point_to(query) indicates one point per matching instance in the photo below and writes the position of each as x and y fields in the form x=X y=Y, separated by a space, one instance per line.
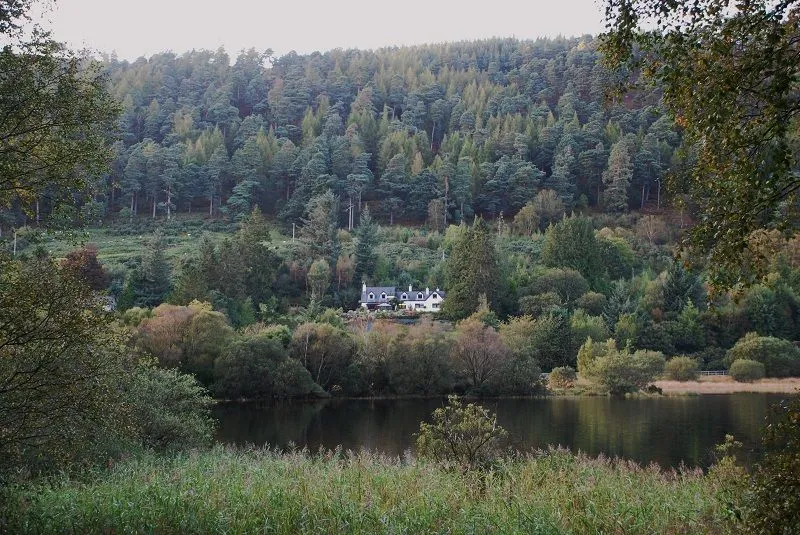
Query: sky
x=134 y=28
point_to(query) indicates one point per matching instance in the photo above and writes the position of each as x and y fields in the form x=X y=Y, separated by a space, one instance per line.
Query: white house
x=389 y=298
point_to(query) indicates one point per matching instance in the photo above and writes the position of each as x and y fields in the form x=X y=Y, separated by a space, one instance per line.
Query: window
x=383 y=295
x=404 y=297
x=436 y=305
x=418 y=305
x=435 y=296
x=420 y=296
x=371 y=296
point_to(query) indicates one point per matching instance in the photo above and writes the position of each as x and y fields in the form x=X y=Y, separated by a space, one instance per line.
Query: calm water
x=669 y=431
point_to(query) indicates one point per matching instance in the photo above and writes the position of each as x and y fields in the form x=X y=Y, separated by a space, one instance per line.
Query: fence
x=714 y=372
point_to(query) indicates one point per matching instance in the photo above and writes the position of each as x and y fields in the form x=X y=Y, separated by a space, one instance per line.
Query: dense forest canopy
x=480 y=127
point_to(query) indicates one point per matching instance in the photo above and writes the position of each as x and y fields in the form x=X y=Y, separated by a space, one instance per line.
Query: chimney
x=363 y=287
x=427 y=290
x=409 y=288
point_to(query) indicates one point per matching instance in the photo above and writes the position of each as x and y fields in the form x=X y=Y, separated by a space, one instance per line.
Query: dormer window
x=420 y=296
x=371 y=296
x=404 y=297
x=383 y=295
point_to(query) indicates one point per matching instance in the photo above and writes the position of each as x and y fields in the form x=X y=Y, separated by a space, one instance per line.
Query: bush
x=257 y=368
x=774 y=503
x=619 y=372
x=171 y=410
x=562 y=377
x=746 y=370
x=514 y=377
x=681 y=369
x=592 y=302
x=465 y=435
x=779 y=357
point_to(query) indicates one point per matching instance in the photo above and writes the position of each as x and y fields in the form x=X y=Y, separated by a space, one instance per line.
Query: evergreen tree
x=320 y=227
x=571 y=243
x=366 y=242
x=150 y=283
x=472 y=271
x=617 y=177
x=562 y=179
x=393 y=185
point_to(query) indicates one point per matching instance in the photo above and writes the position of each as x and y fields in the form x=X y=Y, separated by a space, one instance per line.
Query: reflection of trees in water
x=259 y=424
x=664 y=430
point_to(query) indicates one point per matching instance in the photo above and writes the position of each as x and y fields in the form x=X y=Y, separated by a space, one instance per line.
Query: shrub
x=592 y=302
x=537 y=305
x=418 y=361
x=562 y=377
x=746 y=370
x=681 y=369
x=465 y=435
x=257 y=368
x=779 y=357
x=514 y=377
x=775 y=501
x=171 y=410
x=619 y=372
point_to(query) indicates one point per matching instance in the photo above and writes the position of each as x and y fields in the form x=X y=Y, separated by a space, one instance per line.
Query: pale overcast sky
x=135 y=28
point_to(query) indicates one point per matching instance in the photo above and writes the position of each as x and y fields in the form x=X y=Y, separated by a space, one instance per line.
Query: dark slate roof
x=393 y=292
x=412 y=295
x=377 y=291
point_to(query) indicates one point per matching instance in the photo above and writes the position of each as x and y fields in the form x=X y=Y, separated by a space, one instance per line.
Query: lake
x=666 y=430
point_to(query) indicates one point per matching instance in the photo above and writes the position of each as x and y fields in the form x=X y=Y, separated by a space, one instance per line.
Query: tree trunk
x=154 y=206
x=658 y=197
x=642 y=204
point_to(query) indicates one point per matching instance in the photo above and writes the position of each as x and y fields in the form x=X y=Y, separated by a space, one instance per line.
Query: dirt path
x=726 y=385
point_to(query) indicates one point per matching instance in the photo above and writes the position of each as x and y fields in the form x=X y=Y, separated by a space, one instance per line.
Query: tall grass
x=261 y=491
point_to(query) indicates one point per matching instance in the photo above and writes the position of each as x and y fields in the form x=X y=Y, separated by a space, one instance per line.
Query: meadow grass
x=260 y=491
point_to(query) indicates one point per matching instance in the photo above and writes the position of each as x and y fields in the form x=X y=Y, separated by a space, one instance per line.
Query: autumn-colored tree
x=84 y=263
x=479 y=351
x=324 y=350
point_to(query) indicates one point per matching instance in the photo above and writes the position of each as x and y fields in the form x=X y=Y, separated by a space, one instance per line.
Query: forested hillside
x=427 y=133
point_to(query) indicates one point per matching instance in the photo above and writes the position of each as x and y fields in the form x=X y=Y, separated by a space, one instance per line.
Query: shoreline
x=726 y=385
x=718 y=385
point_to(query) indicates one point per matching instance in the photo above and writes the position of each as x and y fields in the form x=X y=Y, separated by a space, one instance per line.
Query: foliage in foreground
x=71 y=391
x=465 y=435
x=774 y=506
x=332 y=492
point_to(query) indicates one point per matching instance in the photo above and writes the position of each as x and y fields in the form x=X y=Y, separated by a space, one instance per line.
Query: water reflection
x=669 y=431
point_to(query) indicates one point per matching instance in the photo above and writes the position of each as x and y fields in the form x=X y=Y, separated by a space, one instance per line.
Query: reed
x=262 y=491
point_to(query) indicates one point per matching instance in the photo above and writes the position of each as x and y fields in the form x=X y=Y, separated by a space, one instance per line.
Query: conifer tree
x=617 y=177
x=472 y=270
x=366 y=242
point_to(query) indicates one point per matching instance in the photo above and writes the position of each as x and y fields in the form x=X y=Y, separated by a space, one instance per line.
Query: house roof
x=392 y=292
x=377 y=291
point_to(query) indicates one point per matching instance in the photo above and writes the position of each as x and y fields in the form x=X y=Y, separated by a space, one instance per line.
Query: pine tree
x=150 y=284
x=366 y=242
x=562 y=179
x=617 y=177
x=472 y=270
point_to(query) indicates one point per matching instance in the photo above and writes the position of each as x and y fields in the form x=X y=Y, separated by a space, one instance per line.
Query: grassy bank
x=224 y=491
x=726 y=385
